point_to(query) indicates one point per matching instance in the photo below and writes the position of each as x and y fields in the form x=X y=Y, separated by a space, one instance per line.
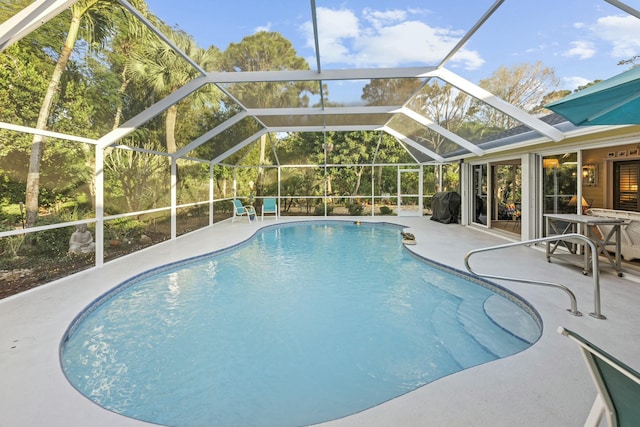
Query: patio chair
x=269 y=206
x=618 y=386
x=243 y=210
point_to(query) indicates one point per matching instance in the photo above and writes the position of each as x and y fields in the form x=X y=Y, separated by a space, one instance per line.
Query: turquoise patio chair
x=618 y=386
x=243 y=210
x=269 y=206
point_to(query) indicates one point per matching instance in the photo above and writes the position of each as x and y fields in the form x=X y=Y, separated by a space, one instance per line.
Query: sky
x=582 y=40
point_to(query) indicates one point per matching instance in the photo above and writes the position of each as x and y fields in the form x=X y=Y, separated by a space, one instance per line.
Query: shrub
x=10 y=215
x=386 y=210
x=319 y=210
x=54 y=242
x=355 y=209
x=12 y=245
x=124 y=228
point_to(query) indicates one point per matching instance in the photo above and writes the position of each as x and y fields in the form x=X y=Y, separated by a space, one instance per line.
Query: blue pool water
x=304 y=323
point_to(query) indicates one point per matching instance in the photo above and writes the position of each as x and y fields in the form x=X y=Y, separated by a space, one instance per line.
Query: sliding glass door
x=559 y=184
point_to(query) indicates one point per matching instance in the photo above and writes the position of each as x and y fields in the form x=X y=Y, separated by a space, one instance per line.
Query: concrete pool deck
x=545 y=385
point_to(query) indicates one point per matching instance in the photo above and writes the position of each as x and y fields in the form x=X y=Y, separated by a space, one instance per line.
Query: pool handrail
x=570 y=237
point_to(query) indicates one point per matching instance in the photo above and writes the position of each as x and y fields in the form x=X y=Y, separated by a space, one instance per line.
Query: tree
x=142 y=178
x=549 y=98
x=24 y=71
x=389 y=151
x=350 y=148
x=633 y=61
x=443 y=104
x=93 y=19
x=523 y=86
x=127 y=44
x=267 y=51
x=164 y=71
x=21 y=85
x=390 y=91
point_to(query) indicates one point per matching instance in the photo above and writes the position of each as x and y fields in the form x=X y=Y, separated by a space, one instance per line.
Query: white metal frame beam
x=624 y=7
x=442 y=131
x=29 y=19
x=499 y=104
x=312 y=75
x=471 y=32
x=414 y=144
x=148 y=114
x=210 y=134
x=239 y=146
x=313 y=111
x=47 y=133
x=324 y=128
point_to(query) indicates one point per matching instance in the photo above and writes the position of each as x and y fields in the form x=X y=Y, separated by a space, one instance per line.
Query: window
x=625 y=192
x=560 y=182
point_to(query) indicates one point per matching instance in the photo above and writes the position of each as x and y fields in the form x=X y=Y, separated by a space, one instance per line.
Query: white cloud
x=336 y=27
x=573 y=82
x=385 y=39
x=379 y=18
x=266 y=28
x=581 y=49
x=470 y=59
x=621 y=32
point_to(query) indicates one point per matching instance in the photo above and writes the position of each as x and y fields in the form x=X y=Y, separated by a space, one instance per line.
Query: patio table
x=559 y=224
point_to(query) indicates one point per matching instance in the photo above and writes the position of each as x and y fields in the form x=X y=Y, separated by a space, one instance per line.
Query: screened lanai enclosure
x=114 y=117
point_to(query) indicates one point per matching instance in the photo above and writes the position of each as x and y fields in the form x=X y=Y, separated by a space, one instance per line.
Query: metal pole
x=595 y=265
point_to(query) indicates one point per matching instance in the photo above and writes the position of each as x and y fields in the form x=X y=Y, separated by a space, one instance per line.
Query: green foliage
x=267 y=51
x=23 y=80
x=193 y=182
x=157 y=67
x=124 y=229
x=430 y=179
x=386 y=210
x=355 y=208
x=54 y=242
x=319 y=210
x=10 y=215
x=390 y=91
x=135 y=181
x=300 y=148
x=450 y=177
x=11 y=191
x=12 y=245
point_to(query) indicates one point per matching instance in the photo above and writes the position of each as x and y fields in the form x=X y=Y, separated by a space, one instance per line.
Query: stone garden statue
x=81 y=241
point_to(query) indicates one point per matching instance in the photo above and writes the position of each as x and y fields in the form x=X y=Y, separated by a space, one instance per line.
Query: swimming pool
x=301 y=324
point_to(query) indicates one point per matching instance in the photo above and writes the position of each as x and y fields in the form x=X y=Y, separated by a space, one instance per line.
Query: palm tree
x=126 y=44
x=94 y=17
x=163 y=70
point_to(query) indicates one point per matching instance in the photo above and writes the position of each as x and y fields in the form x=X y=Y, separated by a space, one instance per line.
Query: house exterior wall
x=597 y=146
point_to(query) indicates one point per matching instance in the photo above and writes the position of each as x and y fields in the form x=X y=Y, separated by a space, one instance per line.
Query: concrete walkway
x=545 y=385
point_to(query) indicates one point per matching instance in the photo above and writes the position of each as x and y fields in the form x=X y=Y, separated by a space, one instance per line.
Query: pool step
x=456 y=340
x=509 y=316
x=485 y=320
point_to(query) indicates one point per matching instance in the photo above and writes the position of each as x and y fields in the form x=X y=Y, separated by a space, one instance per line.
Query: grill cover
x=445 y=207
